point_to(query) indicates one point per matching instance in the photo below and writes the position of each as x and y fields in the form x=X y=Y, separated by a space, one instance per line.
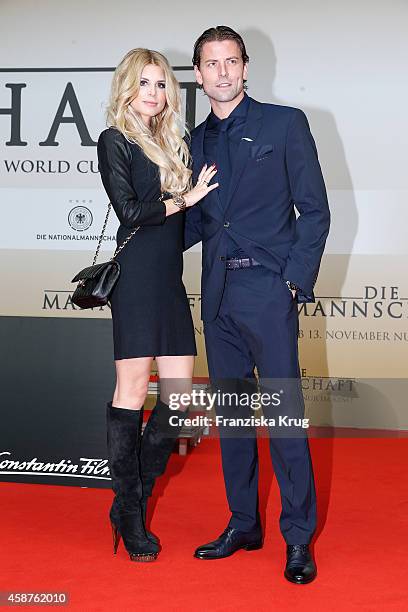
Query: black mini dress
x=150 y=310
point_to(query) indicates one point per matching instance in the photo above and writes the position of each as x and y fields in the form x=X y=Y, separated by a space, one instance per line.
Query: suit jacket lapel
x=251 y=130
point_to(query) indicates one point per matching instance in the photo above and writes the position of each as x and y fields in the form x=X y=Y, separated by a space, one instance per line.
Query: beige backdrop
x=342 y=64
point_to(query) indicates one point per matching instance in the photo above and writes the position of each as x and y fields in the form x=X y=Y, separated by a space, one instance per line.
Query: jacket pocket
x=260 y=152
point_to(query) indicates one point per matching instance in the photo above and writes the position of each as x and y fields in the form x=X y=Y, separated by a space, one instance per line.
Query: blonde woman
x=144 y=165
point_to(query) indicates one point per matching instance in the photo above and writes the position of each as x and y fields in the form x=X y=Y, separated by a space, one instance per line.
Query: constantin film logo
x=95 y=469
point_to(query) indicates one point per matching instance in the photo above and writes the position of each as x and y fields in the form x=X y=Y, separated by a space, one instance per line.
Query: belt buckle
x=237 y=263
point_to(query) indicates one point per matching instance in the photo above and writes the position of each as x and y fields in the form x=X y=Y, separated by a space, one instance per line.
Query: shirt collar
x=240 y=110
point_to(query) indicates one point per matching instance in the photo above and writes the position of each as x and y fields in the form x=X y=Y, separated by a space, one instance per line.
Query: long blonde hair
x=162 y=142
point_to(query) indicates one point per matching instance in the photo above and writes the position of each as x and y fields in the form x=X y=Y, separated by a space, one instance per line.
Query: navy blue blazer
x=276 y=168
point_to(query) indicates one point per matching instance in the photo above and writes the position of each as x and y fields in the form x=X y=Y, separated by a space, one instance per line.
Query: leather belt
x=237 y=264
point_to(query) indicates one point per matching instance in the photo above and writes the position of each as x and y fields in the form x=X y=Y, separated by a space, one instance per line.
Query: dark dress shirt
x=212 y=153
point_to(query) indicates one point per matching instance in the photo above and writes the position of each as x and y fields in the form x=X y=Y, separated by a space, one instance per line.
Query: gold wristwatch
x=179 y=201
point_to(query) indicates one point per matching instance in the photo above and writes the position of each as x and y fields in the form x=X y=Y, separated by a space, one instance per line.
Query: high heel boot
x=158 y=440
x=123 y=429
x=115 y=510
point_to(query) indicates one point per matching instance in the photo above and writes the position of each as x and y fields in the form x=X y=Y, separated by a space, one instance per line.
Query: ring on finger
x=205 y=183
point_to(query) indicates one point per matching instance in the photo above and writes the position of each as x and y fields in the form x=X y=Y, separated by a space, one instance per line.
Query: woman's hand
x=202 y=187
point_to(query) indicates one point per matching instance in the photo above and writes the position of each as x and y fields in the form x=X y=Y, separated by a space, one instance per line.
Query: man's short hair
x=215 y=34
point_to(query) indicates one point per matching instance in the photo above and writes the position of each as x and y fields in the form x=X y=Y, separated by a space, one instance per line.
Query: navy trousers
x=257 y=326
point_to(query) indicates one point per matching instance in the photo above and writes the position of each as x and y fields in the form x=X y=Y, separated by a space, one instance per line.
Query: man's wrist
x=292 y=286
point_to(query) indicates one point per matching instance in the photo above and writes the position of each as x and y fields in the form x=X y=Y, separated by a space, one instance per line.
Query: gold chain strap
x=118 y=250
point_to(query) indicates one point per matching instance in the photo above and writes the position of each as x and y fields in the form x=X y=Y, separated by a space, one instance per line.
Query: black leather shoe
x=300 y=567
x=229 y=542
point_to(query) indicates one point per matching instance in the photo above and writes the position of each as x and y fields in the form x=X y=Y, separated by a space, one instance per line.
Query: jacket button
x=226 y=224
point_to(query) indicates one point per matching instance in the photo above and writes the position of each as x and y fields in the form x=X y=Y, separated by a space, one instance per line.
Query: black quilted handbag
x=95 y=283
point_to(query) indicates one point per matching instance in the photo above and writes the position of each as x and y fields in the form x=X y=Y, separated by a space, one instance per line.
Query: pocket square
x=258 y=152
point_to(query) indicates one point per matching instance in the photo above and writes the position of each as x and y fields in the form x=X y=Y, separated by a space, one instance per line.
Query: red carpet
x=58 y=539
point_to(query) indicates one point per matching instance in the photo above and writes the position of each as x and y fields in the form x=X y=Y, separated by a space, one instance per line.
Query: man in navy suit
x=259 y=260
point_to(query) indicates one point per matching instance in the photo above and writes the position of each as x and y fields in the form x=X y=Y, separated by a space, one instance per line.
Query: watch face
x=180 y=201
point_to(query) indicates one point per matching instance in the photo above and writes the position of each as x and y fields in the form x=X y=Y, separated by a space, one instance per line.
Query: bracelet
x=179 y=201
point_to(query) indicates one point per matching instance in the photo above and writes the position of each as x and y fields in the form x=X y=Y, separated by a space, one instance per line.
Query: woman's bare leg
x=160 y=435
x=175 y=373
x=132 y=381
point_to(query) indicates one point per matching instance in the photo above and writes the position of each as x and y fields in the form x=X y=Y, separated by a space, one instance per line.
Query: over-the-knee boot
x=158 y=440
x=123 y=429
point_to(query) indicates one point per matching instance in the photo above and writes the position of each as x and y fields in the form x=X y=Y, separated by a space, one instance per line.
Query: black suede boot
x=115 y=510
x=123 y=429
x=158 y=441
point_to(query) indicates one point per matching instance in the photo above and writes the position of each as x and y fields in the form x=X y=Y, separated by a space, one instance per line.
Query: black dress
x=150 y=310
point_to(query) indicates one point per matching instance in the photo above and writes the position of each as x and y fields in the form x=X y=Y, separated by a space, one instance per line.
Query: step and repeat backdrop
x=343 y=65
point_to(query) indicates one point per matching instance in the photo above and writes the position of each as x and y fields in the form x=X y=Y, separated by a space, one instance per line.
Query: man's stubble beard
x=228 y=96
